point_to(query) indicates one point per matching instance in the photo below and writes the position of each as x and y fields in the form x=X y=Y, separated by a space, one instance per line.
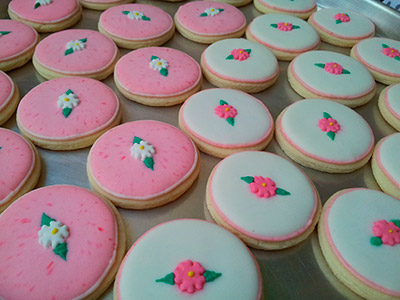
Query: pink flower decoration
x=240 y=54
x=329 y=125
x=285 y=26
x=387 y=231
x=263 y=187
x=391 y=52
x=342 y=17
x=333 y=68
x=189 y=276
x=226 y=111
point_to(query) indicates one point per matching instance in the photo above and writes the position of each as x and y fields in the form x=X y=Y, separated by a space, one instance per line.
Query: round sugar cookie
x=235 y=63
x=226 y=121
x=325 y=136
x=157 y=76
x=17 y=44
x=381 y=56
x=75 y=52
x=333 y=76
x=135 y=26
x=189 y=259
x=286 y=36
x=142 y=164
x=359 y=235
x=103 y=4
x=65 y=242
x=9 y=97
x=341 y=27
x=20 y=165
x=236 y=3
x=46 y=15
x=68 y=113
x=263 y=199
x=298 y=8
x=389 y=105
x=207 y=21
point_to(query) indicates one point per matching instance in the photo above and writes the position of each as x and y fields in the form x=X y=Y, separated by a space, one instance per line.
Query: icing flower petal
x=387 y=231
x=142 y=150
x=342 y=18
x=239 y=54
x=158 y=63
x=285 y=26
x=225 y=111
x=189 y=276
x=53 y=235
x=67 y=100
x=333 y=68
x=211 y=11
x=263 y=187
x=329 y=125
x=391 y=52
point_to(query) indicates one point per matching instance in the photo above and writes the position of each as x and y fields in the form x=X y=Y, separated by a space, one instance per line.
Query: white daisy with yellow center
x=75 y=45
x=211 y=11
x=143 y=151
x=41 y=3
x=158 y=63
x=67 y=101
x=53 y=235
x=135 y=15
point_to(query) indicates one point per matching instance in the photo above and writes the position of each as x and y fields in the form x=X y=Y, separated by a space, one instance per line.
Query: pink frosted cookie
x=46 y=15
x=142 y=164
x=235 y=63
x=103 y=4
x=135 y=26
x=298 y=8
x=190 y=259
x=75 y=52
x=207 y=21
x=359 y=235
x=68 y=113
x=325 y=136
x=20 y=167
x=17 y=44
x=157 y=76
x=225 y=121
x=59 y=242
x=381 y=56
x=9 y=97
x=389 y=105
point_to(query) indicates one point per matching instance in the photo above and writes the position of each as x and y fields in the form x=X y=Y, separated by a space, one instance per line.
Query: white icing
x=67 y=100
x=352 y=141
x=350 y=222
x=370 y=50
x=249 y=69
x=142 y=150
x=389 y=157
x=174 y=242
x=75 y=45
x=276 y=216
x=158 y=63
x=301 y=38
x=212 y=11
x=53 y=235
x=358 y=26
x=393 y=100
x=355 y=84
x=290 y=5
x=252 y=121
x=43 y=2
x=135 y=15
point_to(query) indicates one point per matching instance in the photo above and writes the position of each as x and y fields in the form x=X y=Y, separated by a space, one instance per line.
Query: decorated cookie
x=341 y=27
x=298 y=8
x=389 y=105
x=157 y=76
x=46 y=15
x=359 y=234
x=20 y=167
x=263 y=199
x=286 y=36
x=325 y=136
x=207 y=21
x=103 y=4
x=59 y=242
x=68 y=113
x=75 y=52
x=381 y=56
x=225 y=121
x=17 y=44
x=235 y=63
x=142 y=164
x=235 y=2
x=333 y=76
x=190 y=259
x=135 y=26
x=9 y=97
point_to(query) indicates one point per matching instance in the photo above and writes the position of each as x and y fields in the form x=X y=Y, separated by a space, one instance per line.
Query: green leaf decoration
x=137 y=140
x=295 y=27
x=37 y=4
x=66 y=111
x=4 y=32
x=338 y=21
x=331 y=135
x=144 y=18
x=248 y=50
x=274 y=25
x=220 y=9
x=345 y=71
x=326 y=115
x=229 y=56
x=231 y=121
x=154 y=57
x=168 y=279
x=282 y=192
x=149 y=162
x=68 y=51
x=83 y=40
x=203 y=15
x=125 y=12
x=164 y=72
x=248 y=179
x=69 y=92
x=385 y=46
x=211 y=275
x=46 y=220
x=375 y=241
x=320 y=65
x=61 y=250
x=222 y=102
x=397 y=58
x=395 y=222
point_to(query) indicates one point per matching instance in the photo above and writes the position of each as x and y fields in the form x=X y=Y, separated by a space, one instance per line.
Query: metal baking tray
x=299 y=272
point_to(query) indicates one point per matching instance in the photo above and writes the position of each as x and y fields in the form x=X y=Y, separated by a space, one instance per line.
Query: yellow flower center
x=392 y=51
x=390 y=230
x=240 y=51
x=190 y=273
x=141 y=147
x=212 y=9
x=159 y=63
x=226 y=109
x=137 y=14
x=285 y=24
x=77 y=44
x=66 y=99
x=331 y=123
x=334 y=66
x=264 y=184
x=54 y=231
x=342 y=15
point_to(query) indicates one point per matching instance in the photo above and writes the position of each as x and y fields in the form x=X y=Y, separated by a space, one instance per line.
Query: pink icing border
x=389 y=107
x=228 y=146
x=262 y=237
x=340 y=257
x=118 y=277
x=10 y=96
x=284 y=9
x=378 y=160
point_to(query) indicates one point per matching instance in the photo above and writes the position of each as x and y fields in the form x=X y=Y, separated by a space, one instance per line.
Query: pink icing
x=342 y=17
x=389 y=107
x=30 y=271
x=333 y=68
x=21 y=39
x=379 y=161
x=391 y=52
x=186 y=283
x=119 y=25
x=17 y=160
x=229 y=20
x=6 y=89
x=56 y=11
x=120 y=174
x=240 y=54
x=329 y=125
x=226 y=111
x=285 y=26
x=134 y=73
x=39 y=114
x=387 y=231
x=98 y=54
x=263 y=187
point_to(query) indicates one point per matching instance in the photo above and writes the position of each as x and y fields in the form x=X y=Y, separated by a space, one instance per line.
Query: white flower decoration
x=158 y=64
x=68 y=100
x=43 y=2
x=75 y=45
x=212 y=11
x=53 y=235
x=135 y=15
x=142 y=150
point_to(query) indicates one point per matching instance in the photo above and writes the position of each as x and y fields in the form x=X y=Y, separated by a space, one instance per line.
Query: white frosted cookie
x=9 y=97
x=389 y=105
x=286 y=36
x=225 y=121
x=381 y=56
x=264 y=199
x=189 y=259
x=325 y=136
x=333 y=76
x=298 y=8
x=341 y=27
x=359 y=234
x=235 y=63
